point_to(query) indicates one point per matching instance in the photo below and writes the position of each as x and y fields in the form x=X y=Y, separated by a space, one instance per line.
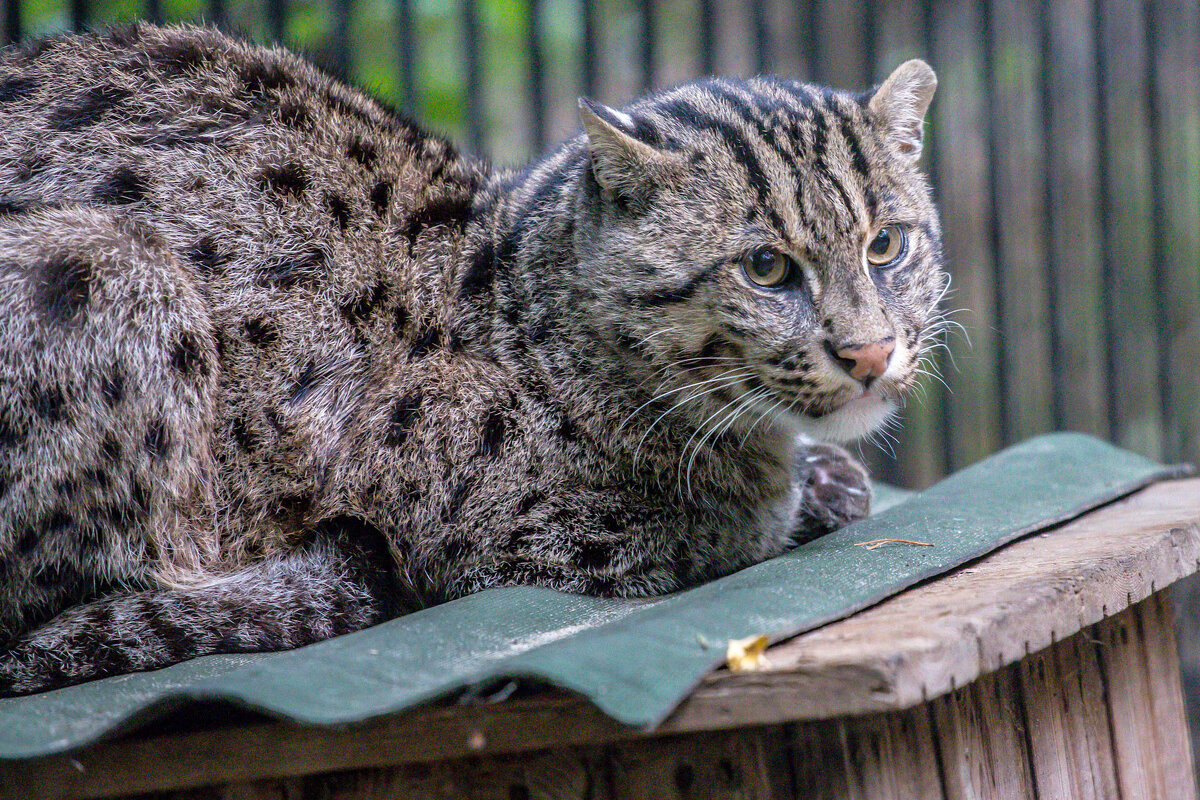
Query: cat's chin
x=855 y=419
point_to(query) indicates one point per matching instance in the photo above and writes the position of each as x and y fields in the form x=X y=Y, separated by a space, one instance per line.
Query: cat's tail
x=342 y=580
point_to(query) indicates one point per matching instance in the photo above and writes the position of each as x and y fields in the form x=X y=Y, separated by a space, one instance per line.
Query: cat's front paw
x=835 y=490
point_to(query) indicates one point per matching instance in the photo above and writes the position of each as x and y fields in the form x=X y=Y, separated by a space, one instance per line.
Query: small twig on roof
x=877 y=543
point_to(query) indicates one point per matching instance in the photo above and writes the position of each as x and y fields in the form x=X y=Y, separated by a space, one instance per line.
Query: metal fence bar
x=762 y=42
x=216 y=12
x=708 y=37
x=406 y=46
x=1052 y=260
x=1158 y=240
x=473 y=44
x=79 y=14
x=154 y=11
x=537 y=83
x=1106 y=243
x=277 y=20
x=12 y=21
x=591 y=72
x=342 y=15
x=999 y=301
x=646 y=7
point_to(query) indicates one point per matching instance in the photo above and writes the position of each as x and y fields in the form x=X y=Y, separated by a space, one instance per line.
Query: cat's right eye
x=767 y=268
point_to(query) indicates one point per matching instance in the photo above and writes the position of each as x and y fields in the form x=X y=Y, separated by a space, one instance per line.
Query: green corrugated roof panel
x=634 y=659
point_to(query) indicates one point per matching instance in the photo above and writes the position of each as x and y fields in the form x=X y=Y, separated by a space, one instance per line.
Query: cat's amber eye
x=767 y=268
x=887 y=246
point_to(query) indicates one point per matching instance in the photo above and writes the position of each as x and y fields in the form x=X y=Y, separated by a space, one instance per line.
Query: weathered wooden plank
x=1075 y=257
x=893 y=656
x=729 y=766
x=819 y=763
x=1017 y=600
x=1068 y=721
x=1149 y=728
x=1018 y=204
x=959 y=127
x=980 y=730
x=1134 y=412
x=1175 y=107
x=891 y=756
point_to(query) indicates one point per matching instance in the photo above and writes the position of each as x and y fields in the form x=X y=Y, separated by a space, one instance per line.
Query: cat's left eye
x=767 y=268
x=887 y=246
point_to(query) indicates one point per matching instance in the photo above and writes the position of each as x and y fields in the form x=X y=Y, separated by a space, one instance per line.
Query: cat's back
x=253 y=165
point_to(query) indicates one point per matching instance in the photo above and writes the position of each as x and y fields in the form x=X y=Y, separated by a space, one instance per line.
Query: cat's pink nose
x=866 y=362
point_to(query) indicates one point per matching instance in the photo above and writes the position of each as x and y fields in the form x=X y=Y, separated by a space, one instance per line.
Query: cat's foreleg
x=342 y=581
x=835 y=490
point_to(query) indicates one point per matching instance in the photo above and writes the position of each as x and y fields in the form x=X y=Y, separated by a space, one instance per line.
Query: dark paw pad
x=835 y=491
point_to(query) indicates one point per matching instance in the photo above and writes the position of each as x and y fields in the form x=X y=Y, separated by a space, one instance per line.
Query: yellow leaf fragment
x=747 y=655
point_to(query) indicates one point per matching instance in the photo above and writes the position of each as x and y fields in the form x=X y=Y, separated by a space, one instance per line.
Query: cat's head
x=770 y=245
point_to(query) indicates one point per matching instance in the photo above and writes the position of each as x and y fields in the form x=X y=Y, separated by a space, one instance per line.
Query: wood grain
x=981 y=731
x=1068 y=721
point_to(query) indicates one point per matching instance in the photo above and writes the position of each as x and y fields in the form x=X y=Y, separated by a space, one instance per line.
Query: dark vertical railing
x=591 y=69
x=810 y=14
x=79 y=14
x=1158 y=240
x=1053 y=262
x=933 y=156
x=12 y=21
x=406 y=44
x=343 y=12
x=154 y=11
x=646 y=8
x=537 y=82
x=473 y=44
x=708 y=37
x=1106 y=243
x=277 y=20
x=999 y=304
x=762 y=42
x=216 y=12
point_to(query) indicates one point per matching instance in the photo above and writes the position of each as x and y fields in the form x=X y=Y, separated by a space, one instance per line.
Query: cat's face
x=771 y=246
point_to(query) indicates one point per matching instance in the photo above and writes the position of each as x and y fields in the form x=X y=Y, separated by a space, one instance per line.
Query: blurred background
x=1065 y=153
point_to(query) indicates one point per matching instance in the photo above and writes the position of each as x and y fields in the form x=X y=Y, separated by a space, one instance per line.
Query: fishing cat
x=275 y=364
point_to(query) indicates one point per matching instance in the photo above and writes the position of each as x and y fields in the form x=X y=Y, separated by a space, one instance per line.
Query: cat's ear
x=901 y=102
x=624 y=164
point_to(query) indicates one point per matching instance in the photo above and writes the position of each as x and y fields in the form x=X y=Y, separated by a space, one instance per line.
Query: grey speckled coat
x=276 y=364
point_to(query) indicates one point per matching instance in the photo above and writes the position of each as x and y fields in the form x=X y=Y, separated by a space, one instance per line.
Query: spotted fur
x=275 y=364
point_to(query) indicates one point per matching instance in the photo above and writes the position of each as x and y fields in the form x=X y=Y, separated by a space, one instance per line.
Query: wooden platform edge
x=557 y=720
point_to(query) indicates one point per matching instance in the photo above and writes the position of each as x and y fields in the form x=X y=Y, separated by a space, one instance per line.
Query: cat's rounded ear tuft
x=620 y=161
x=901 y=102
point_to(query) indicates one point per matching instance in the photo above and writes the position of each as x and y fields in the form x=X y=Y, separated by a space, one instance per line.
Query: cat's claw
x=835 y=490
